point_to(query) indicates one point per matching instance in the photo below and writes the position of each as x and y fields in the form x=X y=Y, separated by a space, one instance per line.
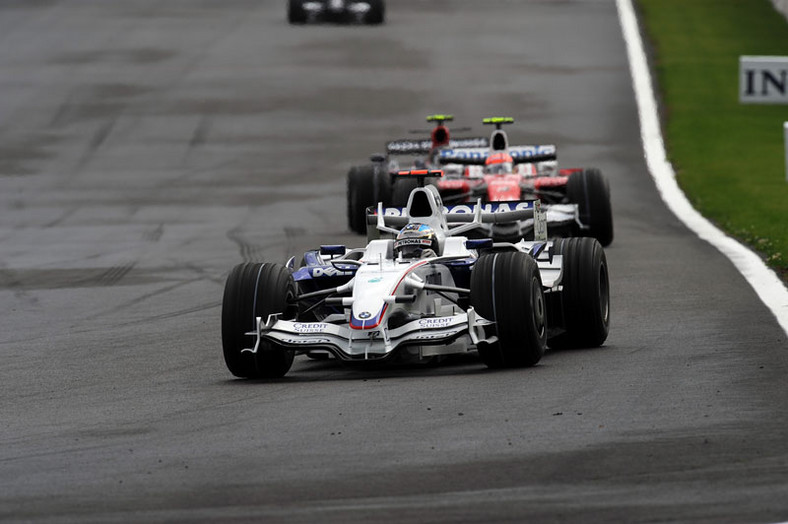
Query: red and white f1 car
x=491 y=170
x=421 y=291
x=503 y=172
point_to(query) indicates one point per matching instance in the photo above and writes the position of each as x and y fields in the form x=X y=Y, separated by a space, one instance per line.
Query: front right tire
x=256 y=290
x=585 y=295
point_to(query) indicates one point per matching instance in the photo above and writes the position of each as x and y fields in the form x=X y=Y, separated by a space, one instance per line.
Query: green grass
x=729 y=157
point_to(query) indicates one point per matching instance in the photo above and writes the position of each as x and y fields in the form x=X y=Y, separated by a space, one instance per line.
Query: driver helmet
x=499 y=163
x=416 y=241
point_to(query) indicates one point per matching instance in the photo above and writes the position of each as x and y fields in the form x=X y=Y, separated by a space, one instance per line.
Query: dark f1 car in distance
x=372 y=183
x=336 y=11
x=422 y=291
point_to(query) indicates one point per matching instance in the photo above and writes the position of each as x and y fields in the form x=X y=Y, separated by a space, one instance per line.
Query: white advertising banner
x=763 y=79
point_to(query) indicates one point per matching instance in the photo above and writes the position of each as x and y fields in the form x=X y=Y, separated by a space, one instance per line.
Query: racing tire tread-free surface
x=507 y=289
x=296 y=14
x=585 y=297
x=377 y=12
x=590 y=190
x=360 y=195
x=401 y=191
x=255 y=290
x=382 y=185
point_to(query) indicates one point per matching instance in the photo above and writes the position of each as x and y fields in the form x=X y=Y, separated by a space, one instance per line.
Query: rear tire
x=401 y=191
x=590 y=191
x=256 y=290
x=507 y=289
x=377 y=12
x=585 y=299
x=360 y=195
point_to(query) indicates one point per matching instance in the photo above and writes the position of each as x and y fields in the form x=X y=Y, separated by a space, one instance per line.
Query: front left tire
x=377 y=12
x=256 y=290
x=296 y=14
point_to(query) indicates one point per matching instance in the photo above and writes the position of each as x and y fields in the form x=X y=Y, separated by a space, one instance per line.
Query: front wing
x=374 y=344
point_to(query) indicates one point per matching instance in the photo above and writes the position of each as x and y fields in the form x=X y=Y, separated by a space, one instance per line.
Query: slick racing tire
x=401 y=191
x=296 y=14
x=507 y=289
x=381 y=182
x=590 y=191
x=256 y=290
x=585 y=299
x=360 y=195
x=377 y=12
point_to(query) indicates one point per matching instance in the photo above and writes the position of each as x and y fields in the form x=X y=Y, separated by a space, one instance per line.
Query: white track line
x=764 y=281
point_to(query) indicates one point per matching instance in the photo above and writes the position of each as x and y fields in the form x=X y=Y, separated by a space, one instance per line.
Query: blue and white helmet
x=414 y=239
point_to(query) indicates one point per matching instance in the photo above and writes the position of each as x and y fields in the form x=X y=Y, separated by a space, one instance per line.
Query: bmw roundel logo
x=364 y=314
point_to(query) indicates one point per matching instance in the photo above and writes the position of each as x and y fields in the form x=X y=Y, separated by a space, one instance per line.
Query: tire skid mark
x=154 y=235
x=173 y=314
x=147 y=296
x=114 y=274
x=249 y=252
x=32 y=279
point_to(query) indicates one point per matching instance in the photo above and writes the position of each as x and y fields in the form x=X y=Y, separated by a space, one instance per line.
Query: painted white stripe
x=764 y=281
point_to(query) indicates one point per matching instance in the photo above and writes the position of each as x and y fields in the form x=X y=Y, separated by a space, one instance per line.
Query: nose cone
x=368 y=304
x=503 y=189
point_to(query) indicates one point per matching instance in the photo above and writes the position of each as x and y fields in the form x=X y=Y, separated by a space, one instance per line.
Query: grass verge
x=729 y=157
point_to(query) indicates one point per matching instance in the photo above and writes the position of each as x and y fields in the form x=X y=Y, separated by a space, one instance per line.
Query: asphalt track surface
x=146 y=147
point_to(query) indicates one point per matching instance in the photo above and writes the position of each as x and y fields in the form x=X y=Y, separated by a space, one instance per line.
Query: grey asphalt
x=146 y=147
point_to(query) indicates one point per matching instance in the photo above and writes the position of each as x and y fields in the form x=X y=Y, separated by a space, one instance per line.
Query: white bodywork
x=397 y=302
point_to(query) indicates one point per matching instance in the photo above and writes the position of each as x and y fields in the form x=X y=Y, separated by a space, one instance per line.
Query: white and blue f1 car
x=423 y=290
x=336 y=11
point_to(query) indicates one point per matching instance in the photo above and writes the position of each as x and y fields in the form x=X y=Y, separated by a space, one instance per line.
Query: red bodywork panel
x=502 y=188
x=505 y=187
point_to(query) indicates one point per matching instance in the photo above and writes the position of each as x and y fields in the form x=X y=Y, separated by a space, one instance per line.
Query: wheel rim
x=604 y=293
x=538 y=308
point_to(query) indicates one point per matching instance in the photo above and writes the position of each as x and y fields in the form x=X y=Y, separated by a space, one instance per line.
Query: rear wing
x=407 y=146
x=499 y=221
x=491 y=213
x=520 y=155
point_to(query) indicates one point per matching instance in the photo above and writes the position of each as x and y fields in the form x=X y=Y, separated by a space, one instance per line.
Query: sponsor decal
x=405 y=146
x=300 y=327
x=437 y=322
x=469 y=209
x=413 y=241
x=495 y=207
x=306 y=340
x=328 y=271
x=431 y=336
x=374 y=281
x=529 y=151
x=364 y=315
x=452 y=154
